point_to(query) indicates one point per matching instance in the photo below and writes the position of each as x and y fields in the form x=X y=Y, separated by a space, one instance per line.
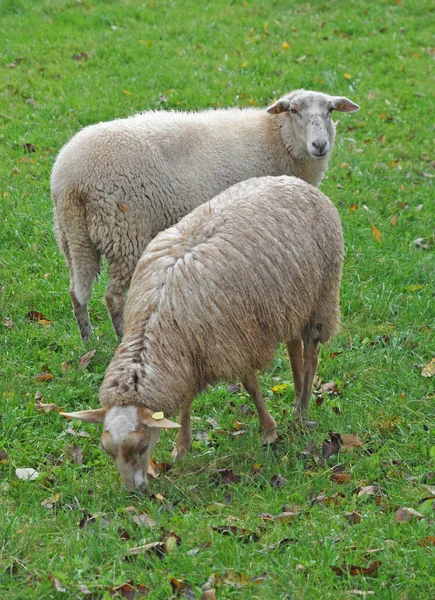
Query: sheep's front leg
x=295 y=350
x=268 y=424
x=311 y=358
x=184 y=437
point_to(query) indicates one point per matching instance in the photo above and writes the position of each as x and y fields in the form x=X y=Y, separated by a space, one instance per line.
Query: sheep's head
x=130 y=434
x=307 y=120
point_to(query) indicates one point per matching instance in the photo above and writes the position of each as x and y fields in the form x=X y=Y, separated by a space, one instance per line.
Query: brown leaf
x=427 y=541
x=429 y=369
x=377 y=234
x=243 y=535
x=369 y=490
x=36 y=317
x=237 y=425
x=350 y=441
x=278 y=481
x=83 y=434
x=76 y=454
x=3 y=457
x=234 y=388
x=405 y=515
x=86 y=520
x=157 y=548
x=356 y=570
x=44 y=376
x=46 y=408
x=235 y=579
x=354 y=517
x=81 y=56
x=144 y=519
x=155 y=468
x=172 y=541
x=209 y=594
x=129 y=591
x=85 y=359
x=29 y=147
x=329 y=388
x=331 y=446
x=51 y=501
x=339 y=475
x=228 y=476
x=394 y=221
x=182 y=589
x=9 y=323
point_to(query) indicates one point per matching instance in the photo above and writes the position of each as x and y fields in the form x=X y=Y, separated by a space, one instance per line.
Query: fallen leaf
x=405 y=515
x=281 y=544
x=377 y=234
x=144 y=519
x=394 y=221
x=83 y=434
x=76 y=454
x=85 y=359
x=228 y=476
x=46 y=408
x=331 y=446
x=242 y=535
x=172 y=542
x=327 y=388
x=81 y=56
x=66 y=366
x=44 y=376
x=235 y=579
x=339 y=475
x=334 y=500
x=3 y=457
x=29 y=147
x=354 y=517
x=51 y=501
x=209 y=594
x=427 y=541
x=350 y=441
x=368 y=490
x=36 y=317
x=415 y=288
x=237 y=425
x=278 y=389
x=129 y=591
x=26 y=474
x=429 y=369
x=157 y=548
x=57 y=584
x=87 y=519
x=234 y=388
x=182 y=589
x=278 y=481
x=356 y=570
x=8 y=323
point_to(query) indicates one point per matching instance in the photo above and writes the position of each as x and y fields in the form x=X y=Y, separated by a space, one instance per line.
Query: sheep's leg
x=82 y=316
x=295 y=350
x=268 y=424
x=184 y=437
x=115 y=298
x=311 y=357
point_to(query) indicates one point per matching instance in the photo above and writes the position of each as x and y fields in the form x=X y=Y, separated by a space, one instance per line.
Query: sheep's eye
x=330 y=110
x=293 y=111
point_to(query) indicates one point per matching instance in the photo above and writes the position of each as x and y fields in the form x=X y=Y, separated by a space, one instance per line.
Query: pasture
x=305 y=519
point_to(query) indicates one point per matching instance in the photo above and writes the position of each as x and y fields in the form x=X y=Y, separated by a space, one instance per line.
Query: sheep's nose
x=320 y=147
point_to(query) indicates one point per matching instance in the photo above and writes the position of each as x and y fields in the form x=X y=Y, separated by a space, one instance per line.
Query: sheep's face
x=130 y=435
x=307 y=120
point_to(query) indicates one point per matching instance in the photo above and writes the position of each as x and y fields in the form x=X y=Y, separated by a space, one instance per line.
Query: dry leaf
x=332 y=446
x=57 y=584
x=26 y=474
x=76 y=454
x=356 y=570
x=427 y=541
x=3 y=457
x=429 y=369
x=369 y=490
x=339 y=475
x=172 y=542
x=377 y=234
x=83 y=434
x=37 y=317
x=44 y=376
x=51 y=501
x=228 y=476
x=394 y=221
x=182 y=589
x=85 y=359
x=235 y=579
x=354 y=517
x=41 y=407
x=234 y=388
x=9 y=323
x=157 y=548
x=350 y=441
x=278 y=481
x=404 y=515
x=209 y=595
x=327 y=388
x=129 y=591
x=144 y=519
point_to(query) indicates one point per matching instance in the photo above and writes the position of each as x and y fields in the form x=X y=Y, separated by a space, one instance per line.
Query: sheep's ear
x=158 y=419
x=279 y=106
x=89 y=416
x=344 y=104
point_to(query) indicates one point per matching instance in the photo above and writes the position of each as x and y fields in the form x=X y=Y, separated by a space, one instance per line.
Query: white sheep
x=210 y=299
x=115 y=185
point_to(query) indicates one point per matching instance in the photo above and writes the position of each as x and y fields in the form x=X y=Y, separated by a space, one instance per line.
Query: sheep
x=115 y=185
x=211 y=298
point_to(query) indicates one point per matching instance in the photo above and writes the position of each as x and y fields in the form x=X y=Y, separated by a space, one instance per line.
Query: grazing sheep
x=210 y=299
x=115 y=185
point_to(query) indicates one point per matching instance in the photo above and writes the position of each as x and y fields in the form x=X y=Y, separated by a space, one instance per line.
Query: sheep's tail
x=72 y=234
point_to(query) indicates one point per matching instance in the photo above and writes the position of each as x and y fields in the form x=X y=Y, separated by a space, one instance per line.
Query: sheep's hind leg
x=311 y=358
x=184 y=437
x=268 y=424
x=115 y=300
x=295 y=350
x=82 y=316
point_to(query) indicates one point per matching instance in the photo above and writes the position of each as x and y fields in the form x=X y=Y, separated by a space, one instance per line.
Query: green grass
x=199 y=55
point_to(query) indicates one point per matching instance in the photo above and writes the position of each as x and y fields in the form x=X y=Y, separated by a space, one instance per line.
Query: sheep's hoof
x=302 y=423
x=270 y=435
x=178 y=453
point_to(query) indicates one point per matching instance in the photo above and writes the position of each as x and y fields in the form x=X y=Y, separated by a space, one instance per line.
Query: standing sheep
x=210 y=299
x=115 y=185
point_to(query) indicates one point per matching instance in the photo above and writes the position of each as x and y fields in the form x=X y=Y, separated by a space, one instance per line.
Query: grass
x=65 y=64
